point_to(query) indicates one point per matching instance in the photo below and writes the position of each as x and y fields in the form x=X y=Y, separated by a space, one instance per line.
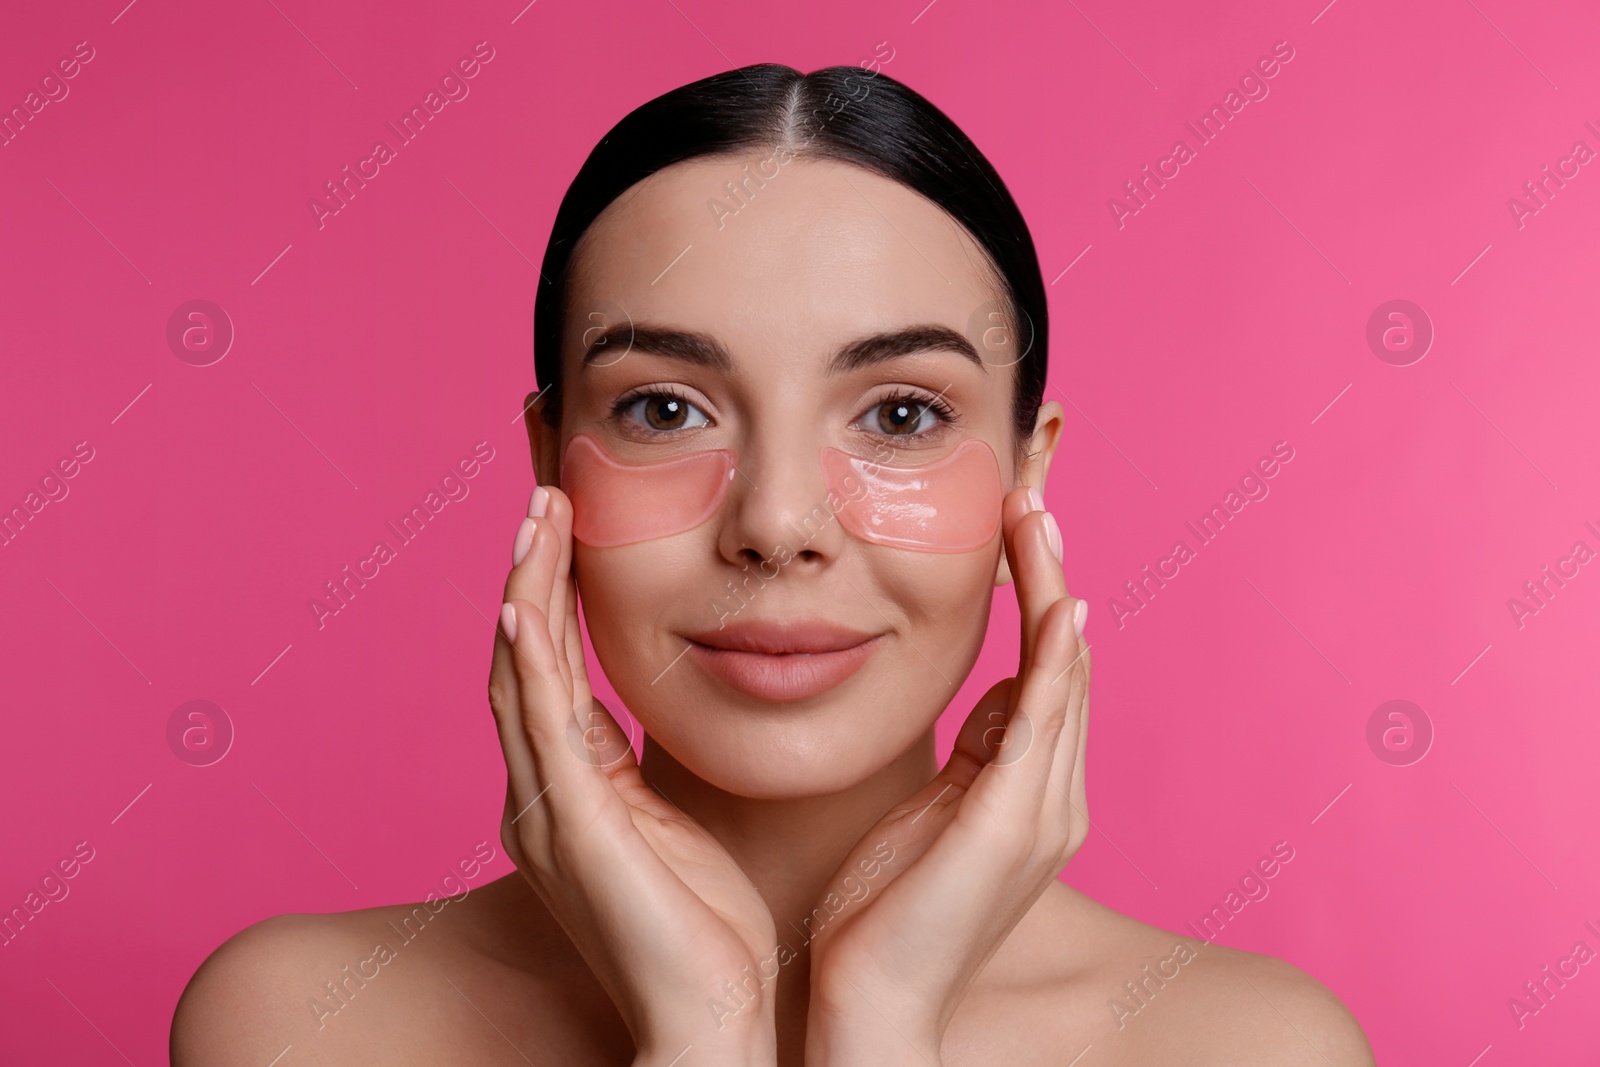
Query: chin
x=784 y=752
x=793 y=783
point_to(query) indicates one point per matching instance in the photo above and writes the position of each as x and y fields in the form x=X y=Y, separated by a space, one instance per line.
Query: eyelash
x=931 y=402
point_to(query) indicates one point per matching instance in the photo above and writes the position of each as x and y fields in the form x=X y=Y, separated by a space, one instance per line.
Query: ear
x=544 y=442
x=1035 y=466
x=1002 y=573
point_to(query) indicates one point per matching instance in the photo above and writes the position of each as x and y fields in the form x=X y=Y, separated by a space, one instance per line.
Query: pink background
x=1227 y=315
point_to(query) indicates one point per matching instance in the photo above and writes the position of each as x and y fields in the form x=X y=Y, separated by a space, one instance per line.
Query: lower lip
x=782 y=678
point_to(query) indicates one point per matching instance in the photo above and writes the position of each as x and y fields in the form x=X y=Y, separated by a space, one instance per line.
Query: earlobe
x=1002 y=572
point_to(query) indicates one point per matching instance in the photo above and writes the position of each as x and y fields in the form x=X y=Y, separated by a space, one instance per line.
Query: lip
x=777 y=637
x=782 y=662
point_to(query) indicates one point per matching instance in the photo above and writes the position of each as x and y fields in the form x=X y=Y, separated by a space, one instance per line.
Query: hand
x=658 y=909
x=964 y=858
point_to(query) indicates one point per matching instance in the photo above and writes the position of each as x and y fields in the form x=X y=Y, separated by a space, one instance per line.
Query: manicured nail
x=508 y=622
x=1080 y=615
x=1035 y=499
x=1052 y=533
x=524 y=541
x=538 y=502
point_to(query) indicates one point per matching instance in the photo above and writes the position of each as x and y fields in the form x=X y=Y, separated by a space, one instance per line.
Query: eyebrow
x=705 y=351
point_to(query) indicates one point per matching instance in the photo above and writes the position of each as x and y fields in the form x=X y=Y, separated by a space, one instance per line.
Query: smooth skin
x=642 y=888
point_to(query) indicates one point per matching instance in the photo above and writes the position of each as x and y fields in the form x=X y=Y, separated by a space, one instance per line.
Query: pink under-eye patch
x=622 y=504
x=952 y=505
x=949 y=506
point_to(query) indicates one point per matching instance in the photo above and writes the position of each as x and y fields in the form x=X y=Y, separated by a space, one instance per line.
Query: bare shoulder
x=249 y=1001
x=1121 y=991
x=1247 y=1008
x=431 y=982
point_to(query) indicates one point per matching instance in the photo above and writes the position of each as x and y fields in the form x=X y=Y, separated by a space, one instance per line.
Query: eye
x=662 y=410
x=908 y=415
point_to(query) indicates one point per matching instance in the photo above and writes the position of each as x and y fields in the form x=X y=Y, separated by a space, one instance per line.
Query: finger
x=577 y=802
x=1050 y=719
x=921 y=817
x=1005 y=727
x=598 y=738
x=521 y=583
x=1000 y=731
x=576 y=666
x=921 y=824
x=523 y=784
x=987 y=736
x=1037 y=572
x=1080 y=788
x=1015 y=791
x=533 y=577
x=508 y=828
x=988 y=813
x=597 y=735
x=1066 y=803
x=570 y=782
x=558 y=513
x=1077 y=788
x=599 y=727
x=970 y=862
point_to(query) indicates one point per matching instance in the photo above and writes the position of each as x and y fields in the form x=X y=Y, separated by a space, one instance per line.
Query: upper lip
x=777 y=638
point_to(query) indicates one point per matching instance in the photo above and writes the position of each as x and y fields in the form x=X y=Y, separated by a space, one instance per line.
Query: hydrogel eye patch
x=949 y=506
x=620 y=504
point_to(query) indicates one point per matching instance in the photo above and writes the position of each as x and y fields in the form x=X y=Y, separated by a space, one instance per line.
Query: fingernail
x=524 y=541
x=538 y=502
x=1035 y=499
x=1052 y=533
x=1080 y=615
x=508 y=622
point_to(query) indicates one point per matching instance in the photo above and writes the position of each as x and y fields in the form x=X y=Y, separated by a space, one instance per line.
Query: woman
x=792 y=335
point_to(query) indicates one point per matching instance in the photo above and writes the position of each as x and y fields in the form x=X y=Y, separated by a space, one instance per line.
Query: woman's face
x=819 y=257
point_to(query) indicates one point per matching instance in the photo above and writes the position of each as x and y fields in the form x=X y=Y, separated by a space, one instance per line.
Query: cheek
x=947 y=507
x=627 y=596
x=614 y=504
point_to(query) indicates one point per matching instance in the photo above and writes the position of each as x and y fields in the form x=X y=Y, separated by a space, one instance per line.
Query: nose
x=778 y=507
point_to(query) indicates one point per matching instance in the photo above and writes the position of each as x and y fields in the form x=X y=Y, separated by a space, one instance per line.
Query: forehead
x=811 y=256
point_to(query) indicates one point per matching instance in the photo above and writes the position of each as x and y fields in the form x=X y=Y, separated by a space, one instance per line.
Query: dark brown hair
x=845 y=114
